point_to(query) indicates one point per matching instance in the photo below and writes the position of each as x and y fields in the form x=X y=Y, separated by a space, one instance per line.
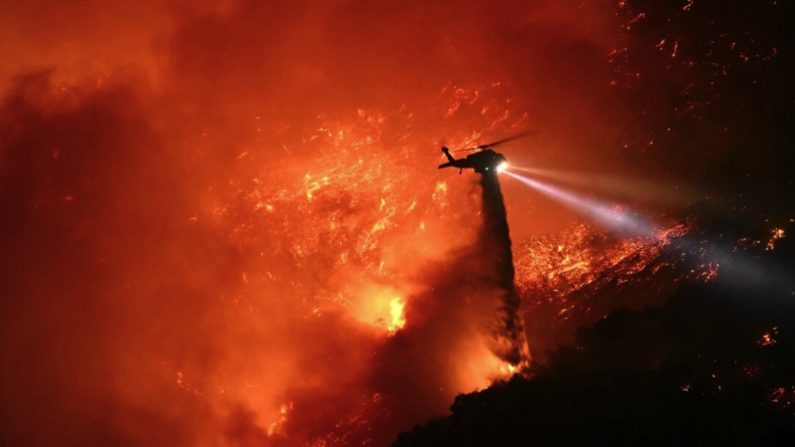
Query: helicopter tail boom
x=446 y=152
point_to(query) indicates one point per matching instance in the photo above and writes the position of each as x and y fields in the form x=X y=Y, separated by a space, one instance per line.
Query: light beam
x=610 y=215
x=732 y=266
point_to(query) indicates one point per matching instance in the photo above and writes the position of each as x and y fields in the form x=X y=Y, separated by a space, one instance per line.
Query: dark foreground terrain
x=714 y=366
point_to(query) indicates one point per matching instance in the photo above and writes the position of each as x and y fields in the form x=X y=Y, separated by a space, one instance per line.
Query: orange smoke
x=224 y=225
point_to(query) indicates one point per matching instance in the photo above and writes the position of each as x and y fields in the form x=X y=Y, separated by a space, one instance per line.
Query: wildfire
x=768 y=338
x=237 y=220
x=507 y=370
x=784 y=397
x=396 y=312
x=776 y=234
x=481 y=368
x=560 y=278
x=554 y=267
x=275 y=427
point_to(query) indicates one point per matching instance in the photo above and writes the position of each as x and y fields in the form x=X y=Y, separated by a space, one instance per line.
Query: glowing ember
x=560 y=277
x=580 y=257
x=238 y=206
x=768 y=337
x=783 y=397
x=709 y=271
x=776 y=235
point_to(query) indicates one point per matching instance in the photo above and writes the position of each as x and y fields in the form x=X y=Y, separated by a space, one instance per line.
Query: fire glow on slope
x=277 y=318
x=367 y=235
x=230 y=219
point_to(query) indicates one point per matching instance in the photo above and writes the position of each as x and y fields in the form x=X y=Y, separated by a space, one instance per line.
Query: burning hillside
x=570 y=280
x=223 y=224
x=706 y=356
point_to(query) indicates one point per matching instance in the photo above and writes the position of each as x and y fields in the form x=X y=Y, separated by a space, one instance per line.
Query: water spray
x=509 y=337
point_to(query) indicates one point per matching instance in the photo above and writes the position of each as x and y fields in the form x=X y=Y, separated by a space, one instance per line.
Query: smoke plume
x=222 y=223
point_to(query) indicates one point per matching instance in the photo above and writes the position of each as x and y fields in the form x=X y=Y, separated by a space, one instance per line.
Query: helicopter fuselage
x=484 y=161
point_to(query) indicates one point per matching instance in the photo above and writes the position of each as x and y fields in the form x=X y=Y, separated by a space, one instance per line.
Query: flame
x=559 y=277
x=480 y=368
x=396 y=312
x=276 y=426
x=768 y=338
x=776 y=234
x=554 y=267
x=285 y=219
x=379 y=307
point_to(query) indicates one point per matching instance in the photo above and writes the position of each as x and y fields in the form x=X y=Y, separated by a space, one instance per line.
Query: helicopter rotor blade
x=522 y=134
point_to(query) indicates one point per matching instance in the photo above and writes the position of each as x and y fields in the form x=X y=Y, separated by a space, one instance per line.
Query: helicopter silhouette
x=486 y=160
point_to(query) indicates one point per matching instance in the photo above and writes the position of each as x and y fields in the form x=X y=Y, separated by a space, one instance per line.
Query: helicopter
x=486 y=160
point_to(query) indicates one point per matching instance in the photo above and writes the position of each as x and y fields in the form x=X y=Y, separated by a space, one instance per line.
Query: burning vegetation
x=223 y=224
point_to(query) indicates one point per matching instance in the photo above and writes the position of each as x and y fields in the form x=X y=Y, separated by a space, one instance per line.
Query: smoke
x=464 y=329
x=208 y=209
x=101 y=309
